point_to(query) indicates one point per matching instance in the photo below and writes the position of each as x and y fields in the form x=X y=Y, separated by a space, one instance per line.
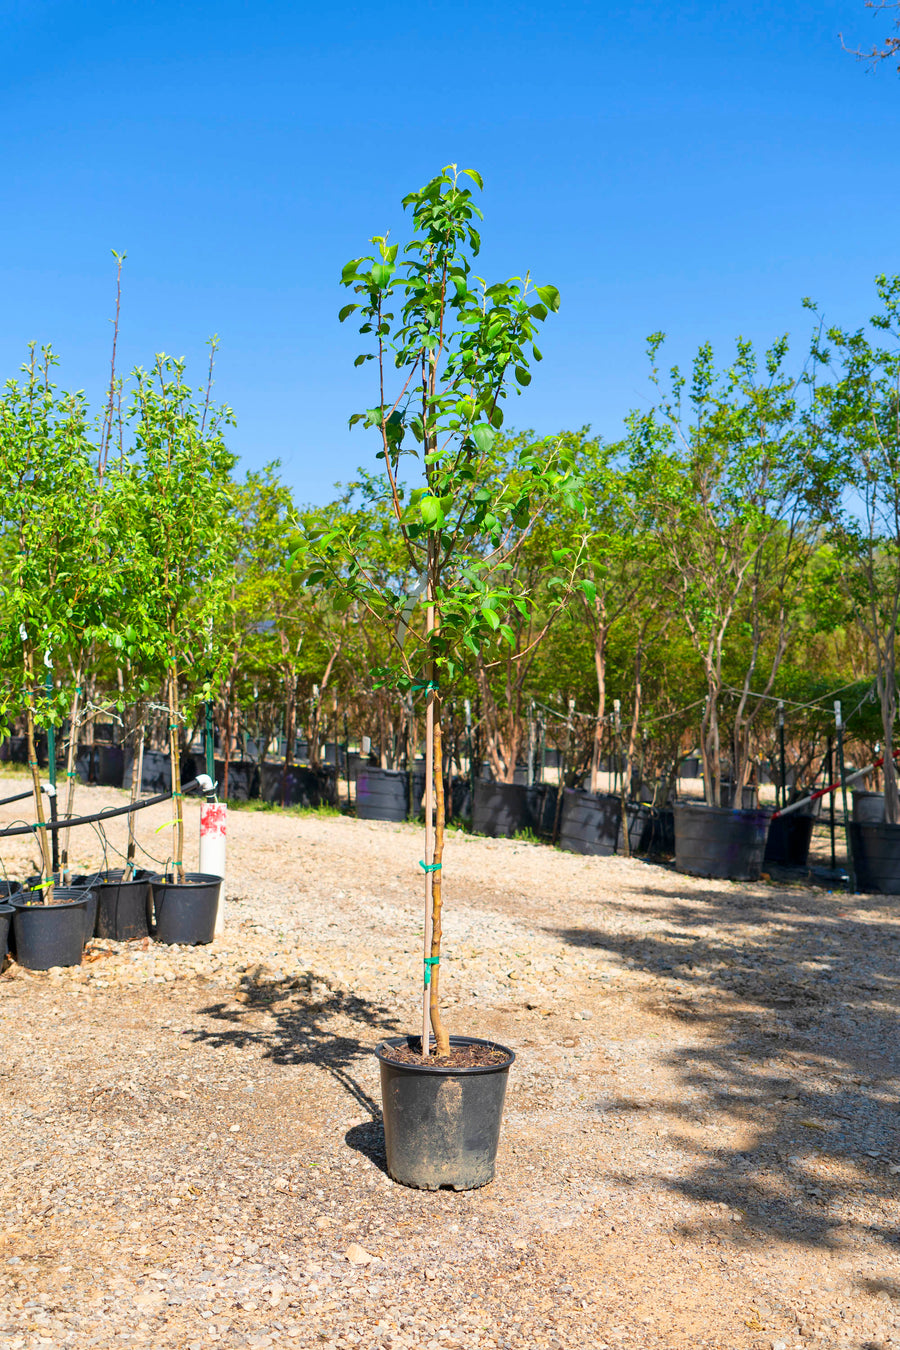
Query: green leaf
x=550 y=296
x=490 y=616
x=483 y=436
x=432 y=512
x=381 y=275
x=523 y=375
x=589 y=589
x=345 y=311
x=475 y=177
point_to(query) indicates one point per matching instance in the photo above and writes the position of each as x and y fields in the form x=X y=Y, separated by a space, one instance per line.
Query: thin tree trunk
x=175 y=763
x=442 y=1040
x=36 y=777
x=137 y=774
x=600 y=667
x=70 y=775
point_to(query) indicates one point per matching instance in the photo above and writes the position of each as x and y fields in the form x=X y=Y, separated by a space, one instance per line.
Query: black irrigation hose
x=19 y=797
x=108 y=814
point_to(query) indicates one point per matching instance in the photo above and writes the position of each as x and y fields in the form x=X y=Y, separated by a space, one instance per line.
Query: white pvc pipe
x=213 y=831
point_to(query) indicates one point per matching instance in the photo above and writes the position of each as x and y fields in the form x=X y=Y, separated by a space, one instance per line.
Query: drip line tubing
x=69 y=823
x=19 y=797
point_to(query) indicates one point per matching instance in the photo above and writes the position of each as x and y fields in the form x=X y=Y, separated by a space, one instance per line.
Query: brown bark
x=175 y=762
x=70 y=774
x=36 y=777
x=442 y=1040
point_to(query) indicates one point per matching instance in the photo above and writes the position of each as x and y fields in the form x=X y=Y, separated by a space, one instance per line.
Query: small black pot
x=6 y=913
x=711 y=841
x=876 y=857
x=184 y=912
x=442 y=1125
x=50 y=935
x=122 y=905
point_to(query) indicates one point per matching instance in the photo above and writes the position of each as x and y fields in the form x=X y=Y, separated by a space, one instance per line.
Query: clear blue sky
x=693 y=167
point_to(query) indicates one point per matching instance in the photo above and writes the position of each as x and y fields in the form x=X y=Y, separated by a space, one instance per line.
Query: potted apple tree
x=175 y=504
x=448 y=348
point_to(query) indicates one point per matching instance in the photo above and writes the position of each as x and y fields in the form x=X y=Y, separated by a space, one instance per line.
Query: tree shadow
x=794 y=996
x=304 y=1025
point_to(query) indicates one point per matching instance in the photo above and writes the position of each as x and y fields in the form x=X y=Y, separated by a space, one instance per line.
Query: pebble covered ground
x=700 y=1145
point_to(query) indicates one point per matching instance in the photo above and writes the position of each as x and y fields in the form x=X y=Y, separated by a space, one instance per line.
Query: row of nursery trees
x=739 y=545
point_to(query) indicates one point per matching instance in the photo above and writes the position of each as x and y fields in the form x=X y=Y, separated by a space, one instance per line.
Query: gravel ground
x=699 y=1149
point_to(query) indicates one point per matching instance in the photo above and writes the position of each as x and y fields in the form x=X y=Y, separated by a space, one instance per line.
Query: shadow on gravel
x=368 y=1139
x=292 y=1022
x=794 y=996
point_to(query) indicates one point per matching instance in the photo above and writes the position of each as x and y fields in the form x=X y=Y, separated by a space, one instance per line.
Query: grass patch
x=273 y=807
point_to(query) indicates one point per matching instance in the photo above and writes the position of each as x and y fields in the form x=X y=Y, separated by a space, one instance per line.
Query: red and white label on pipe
x=213 y=820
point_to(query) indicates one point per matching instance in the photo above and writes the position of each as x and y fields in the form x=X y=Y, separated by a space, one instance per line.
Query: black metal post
x=54 y=838
x=840 y=751
x=347 y=757
x=783 y=782
x=829 y=780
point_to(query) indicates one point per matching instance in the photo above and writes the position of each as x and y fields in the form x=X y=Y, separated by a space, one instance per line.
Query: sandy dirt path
x=700 y=1146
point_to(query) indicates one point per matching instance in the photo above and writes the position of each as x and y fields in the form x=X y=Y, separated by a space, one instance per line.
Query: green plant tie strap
x=430 y=867
x=429 y=686
x=429 y=962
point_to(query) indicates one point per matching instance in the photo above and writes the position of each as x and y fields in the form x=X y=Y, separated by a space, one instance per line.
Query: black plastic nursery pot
x=789 y=838
x=382 y=794
x=501 y=810
x=589 y=822
x=6 y=913
x=442 y=1124
x=868 y=807
x=876 y=856
x=243 y=779
x=79 y=885
x=49 y=935
x=303 y=786
x=122 y=905
x=7 y=889
x=184 y=912
x=711 y=841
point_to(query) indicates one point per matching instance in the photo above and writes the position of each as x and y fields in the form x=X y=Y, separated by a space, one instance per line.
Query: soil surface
x=700 y=1146
x=469 y=1057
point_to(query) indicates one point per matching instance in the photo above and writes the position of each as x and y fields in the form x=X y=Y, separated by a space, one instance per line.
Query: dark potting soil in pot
x=467 y=1057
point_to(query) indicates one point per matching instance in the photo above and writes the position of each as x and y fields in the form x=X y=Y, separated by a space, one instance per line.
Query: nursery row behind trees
x=737 y=547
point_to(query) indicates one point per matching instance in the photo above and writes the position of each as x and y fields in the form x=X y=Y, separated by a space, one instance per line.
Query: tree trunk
x=600 y=667
x=70 y=776
x=137 y=774
x=43 y=838
x=175 y=762
x=442 y=1040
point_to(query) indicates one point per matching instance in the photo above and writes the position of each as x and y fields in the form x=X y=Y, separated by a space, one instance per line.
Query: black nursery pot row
x=108 y=906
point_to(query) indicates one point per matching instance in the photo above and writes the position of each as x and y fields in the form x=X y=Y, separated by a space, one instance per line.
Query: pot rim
x=106 y=880
x=191 y=879
x=745 y=811
x=447 y=1070
x=21 y=902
